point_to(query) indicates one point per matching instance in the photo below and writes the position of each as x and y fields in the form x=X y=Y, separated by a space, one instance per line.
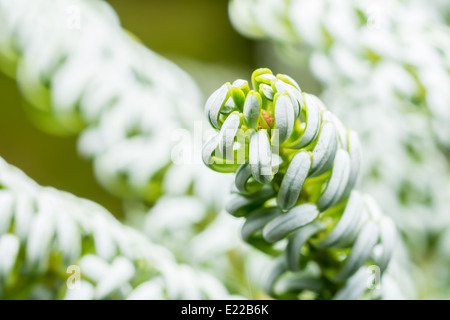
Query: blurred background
x=407 y=167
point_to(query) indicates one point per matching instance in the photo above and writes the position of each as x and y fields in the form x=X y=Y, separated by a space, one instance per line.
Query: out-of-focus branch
x=55 y=245
x=81 y=73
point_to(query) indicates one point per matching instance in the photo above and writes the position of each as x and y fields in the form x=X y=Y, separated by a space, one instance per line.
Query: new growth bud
x=295 y=180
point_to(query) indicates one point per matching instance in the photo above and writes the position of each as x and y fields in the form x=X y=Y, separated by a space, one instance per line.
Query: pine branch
x=47 y=235
x=296 y=169
x=81 y=73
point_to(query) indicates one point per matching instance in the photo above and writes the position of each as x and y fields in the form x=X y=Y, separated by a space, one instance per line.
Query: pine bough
x=46 y=235
x=296 y=168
